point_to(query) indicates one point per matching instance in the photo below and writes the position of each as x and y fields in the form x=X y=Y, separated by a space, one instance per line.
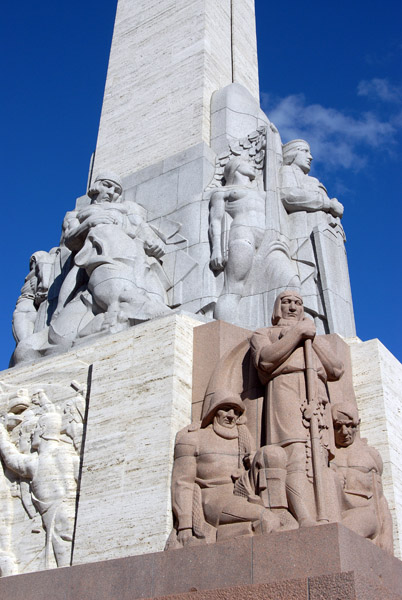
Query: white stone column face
x=377 y=380
x=167 y=58
x=140 y=398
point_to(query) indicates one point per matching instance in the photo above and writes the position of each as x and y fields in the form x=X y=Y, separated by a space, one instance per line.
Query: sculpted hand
x=306 y=329
x=184 y=536
x=154 y=248
x=103 y=219
x=336 y=208
x=216 y=263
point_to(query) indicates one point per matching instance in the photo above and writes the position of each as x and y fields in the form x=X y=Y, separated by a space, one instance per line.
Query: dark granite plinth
x=327 y=562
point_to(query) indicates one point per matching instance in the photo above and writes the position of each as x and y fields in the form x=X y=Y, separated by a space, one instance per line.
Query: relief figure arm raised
x=18 y=462
x=216 y=214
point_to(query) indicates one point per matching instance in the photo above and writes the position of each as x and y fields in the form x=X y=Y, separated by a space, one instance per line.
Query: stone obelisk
x=167 y=59
x=103 y=386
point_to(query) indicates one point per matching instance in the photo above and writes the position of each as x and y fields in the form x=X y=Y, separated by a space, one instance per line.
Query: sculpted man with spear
x=295 y=365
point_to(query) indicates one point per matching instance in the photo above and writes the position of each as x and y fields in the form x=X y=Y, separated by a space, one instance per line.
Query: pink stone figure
x=278 y=353
x=358 y=468
x=210 y=456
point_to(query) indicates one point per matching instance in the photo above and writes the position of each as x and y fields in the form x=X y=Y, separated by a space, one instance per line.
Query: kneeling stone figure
x=217 y=490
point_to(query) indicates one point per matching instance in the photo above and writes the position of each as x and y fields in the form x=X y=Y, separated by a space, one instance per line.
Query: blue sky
x=329 y=72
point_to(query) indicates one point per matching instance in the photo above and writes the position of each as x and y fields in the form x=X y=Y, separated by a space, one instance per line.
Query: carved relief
x=305 y=462
x=40 y=445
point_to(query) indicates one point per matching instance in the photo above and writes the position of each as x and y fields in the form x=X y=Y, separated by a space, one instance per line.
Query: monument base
x=328 y=562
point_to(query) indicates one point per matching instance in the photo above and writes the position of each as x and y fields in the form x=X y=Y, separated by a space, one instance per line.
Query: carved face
x=246 y=168
x=109 y=191
x=291 y=308
x=303 y=158
x=227 y=416
x=345 y=430
x=36 y=435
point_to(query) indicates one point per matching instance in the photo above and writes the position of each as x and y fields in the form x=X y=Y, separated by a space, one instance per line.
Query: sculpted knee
x=271 y=457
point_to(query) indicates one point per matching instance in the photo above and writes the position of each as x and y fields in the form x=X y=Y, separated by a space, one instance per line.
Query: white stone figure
x=241 y=199
x=33 y=293
x=73 y=416
x=52 y=470
x=318 y=241
x=112 y=243
x=8 y=564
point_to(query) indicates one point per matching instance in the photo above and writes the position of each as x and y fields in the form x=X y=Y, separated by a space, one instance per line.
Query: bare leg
x=240 y=260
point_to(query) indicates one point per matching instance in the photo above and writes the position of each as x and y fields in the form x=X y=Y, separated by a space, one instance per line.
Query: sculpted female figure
x=245 y=204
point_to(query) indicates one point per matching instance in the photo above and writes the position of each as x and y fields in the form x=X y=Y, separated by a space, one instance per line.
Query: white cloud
x=336 y=139
x=379 y=89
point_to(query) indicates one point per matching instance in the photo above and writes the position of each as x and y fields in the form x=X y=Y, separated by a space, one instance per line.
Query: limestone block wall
x=167 y=58
x=140 y=398
x=377 y=380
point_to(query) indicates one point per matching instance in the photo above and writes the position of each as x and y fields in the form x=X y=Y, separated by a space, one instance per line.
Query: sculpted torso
x=217 y=458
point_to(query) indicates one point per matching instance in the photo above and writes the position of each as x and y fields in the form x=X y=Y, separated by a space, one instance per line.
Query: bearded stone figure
x=279 y=357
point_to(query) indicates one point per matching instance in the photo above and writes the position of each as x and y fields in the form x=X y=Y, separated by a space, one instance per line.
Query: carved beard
x=229 y=433
x=288 y=322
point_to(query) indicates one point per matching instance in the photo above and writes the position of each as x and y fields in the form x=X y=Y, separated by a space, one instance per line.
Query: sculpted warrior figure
x=358 y=468
x=209 y=458
x=279 y=355
x=318 y=241
x=52 y=470
x=245 y=204
x=113 y=244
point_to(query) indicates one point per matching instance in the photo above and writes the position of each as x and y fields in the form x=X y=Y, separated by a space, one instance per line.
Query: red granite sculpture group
x=278 y=445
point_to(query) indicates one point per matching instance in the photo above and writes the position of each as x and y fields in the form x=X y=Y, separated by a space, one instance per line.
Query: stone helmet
x=218 y=399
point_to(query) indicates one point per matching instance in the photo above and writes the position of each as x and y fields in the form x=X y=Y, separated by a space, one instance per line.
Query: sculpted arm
x=15 y=460
x=183 y=481
x=216 y=214
x=74 y=232
x=297 y=198
x=268 y=355
x=333 y=367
